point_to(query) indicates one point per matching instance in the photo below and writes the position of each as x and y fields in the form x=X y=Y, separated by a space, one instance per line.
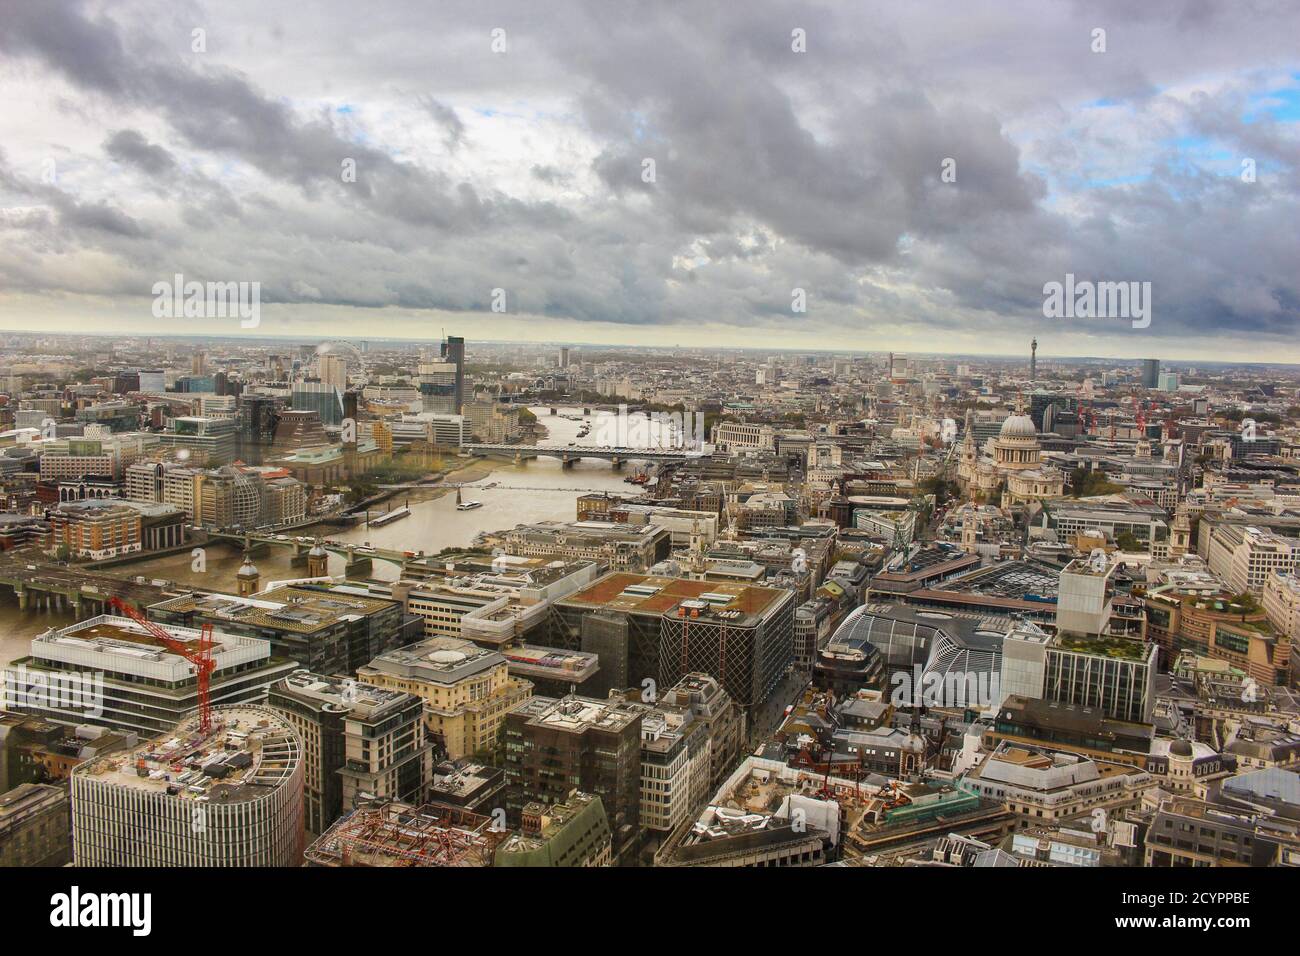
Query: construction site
x=400 y=835
x=226 y=785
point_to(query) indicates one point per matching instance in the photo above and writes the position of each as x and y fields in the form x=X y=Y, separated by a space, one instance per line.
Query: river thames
x=537 y=490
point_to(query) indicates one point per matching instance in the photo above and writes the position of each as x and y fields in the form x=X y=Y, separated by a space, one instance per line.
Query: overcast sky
x=126 y=156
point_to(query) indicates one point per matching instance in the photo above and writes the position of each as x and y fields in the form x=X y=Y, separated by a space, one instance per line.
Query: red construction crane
x=201 y=658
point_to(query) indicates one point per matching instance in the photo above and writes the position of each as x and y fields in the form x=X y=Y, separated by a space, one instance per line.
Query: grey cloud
x=128 y=146
x=773 y=169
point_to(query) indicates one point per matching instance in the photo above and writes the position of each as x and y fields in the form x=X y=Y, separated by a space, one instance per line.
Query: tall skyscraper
x=453 y=352
x=334 y=371
x=326 y=400
x=1150 y=373
x=439 y=387
x=1033 y=360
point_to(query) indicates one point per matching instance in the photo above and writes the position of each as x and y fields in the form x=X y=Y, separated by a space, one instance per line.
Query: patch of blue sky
x=1201 y=154
x=1111 y=182
x=1281 y=105
x=488 y=112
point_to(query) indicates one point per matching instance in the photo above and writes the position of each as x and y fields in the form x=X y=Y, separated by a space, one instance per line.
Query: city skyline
x=435 y=338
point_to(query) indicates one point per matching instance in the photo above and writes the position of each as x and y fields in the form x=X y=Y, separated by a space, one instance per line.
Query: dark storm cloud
x=773 y=169
x=128 y=146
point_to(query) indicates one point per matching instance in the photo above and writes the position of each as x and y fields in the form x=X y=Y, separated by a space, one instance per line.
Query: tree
x=1127 y=541
x=942 y=488
x=1085 y=483
x=1248 y=603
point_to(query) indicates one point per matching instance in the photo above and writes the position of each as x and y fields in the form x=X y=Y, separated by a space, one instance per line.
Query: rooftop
x=438 y=660
x=550 y=663
x=575 y=714
x=249 y=752
x=122 y=645
x=655 y=594
x=344 y=694
x=300 y=610
x=1114 y=647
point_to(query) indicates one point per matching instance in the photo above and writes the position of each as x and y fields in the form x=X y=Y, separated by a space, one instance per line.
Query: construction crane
x=201 y=658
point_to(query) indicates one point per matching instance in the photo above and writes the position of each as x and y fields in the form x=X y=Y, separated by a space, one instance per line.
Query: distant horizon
x=250 y=337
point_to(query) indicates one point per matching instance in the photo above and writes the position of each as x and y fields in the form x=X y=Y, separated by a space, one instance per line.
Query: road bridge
x=356 y=557
x=571 y=453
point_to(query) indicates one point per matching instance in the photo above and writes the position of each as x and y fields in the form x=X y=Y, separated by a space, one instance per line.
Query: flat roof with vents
x=657 y=594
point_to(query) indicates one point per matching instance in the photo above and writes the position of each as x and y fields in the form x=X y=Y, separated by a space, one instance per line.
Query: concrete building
x=109 y=670
x=553 y=672
x=325 y=630
x=572 y=833
x=35 y=826
x=711 y=705
x=619 y=547
x=359 y=743
x=740 y=436
x=554 y=745
x=1246 y=556
x=1113 y=674
x=1282 y=604
x=1186 y=831
x=231 y=797
x=1049 y=786
x=1083 y=597
x=467 y=690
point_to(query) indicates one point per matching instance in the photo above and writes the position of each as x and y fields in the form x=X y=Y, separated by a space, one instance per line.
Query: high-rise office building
x=553 y=746
x=334 y=371
x=153 y=380
x=1150 y=373
x=230 y=797
x=323 y=399
x=209 y=441
x=439 y=388
x=257 y=416
x=453 y=351
x=359 y=742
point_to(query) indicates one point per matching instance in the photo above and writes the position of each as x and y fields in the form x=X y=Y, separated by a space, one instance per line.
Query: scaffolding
x=399 y=835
